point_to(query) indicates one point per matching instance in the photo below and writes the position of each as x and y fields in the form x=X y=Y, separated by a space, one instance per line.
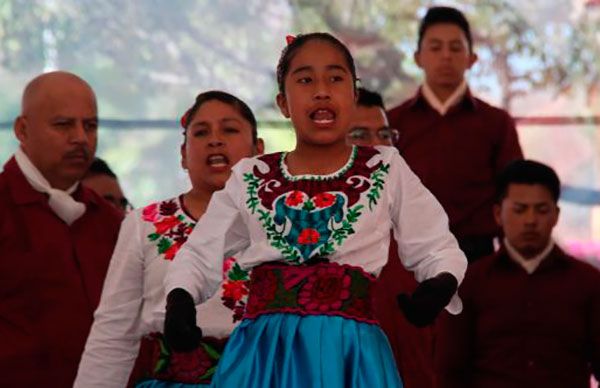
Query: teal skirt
x=167 y=384
x=292 y=351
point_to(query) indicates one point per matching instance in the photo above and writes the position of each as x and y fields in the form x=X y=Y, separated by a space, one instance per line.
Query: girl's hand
x=429 y=299
x=181 y=332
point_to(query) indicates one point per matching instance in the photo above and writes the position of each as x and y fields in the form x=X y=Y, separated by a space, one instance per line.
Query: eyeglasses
x=363 y=135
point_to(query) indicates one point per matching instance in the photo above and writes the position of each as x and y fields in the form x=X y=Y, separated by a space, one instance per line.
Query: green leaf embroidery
x=308 y=205
x=251 y=190
x=161 y=365
x=153 y=236
x=163 y=245
x=208 y=373
x=378 y=183
x=237 y=273
x=212 y=352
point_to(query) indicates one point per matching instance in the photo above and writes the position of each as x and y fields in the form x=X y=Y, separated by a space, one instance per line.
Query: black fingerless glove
x=181 y=332
x=429 y=299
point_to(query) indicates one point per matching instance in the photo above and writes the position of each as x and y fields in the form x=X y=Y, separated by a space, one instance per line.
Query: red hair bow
x=289 y=39
x=184 y=119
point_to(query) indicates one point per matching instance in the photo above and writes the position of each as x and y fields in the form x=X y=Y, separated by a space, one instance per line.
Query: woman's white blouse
x=133 y=298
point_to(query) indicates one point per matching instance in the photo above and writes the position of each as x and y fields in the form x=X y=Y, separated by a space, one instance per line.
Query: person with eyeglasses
x=370 y=125
x=101 y=179
x=412 y=346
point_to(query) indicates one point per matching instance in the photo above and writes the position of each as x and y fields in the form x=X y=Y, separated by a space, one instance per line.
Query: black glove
x=428 y=300
x=181 y=332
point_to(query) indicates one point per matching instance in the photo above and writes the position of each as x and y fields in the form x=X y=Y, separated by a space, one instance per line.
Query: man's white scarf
x=60 y=201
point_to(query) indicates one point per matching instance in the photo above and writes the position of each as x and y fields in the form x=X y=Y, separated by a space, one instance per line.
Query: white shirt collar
x=529 y=265
x=443 y=107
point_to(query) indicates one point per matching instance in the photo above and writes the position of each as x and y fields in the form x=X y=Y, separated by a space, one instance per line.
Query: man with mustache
x=56 y=236
x=531 y=313
x=454 y=142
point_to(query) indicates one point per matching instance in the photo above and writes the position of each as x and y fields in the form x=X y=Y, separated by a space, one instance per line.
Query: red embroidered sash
x=319 y=289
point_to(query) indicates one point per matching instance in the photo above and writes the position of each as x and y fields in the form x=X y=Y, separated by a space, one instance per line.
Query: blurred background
x=147 y=60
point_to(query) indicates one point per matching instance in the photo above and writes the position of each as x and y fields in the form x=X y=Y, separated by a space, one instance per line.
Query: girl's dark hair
x=289 y=51
x=226 y=98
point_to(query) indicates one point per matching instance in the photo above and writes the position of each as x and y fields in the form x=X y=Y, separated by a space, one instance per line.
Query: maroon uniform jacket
x=51 y=277
x=519 y=330
x=458 y=157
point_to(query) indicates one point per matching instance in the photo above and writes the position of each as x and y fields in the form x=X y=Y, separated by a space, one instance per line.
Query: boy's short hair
x=445 y=15
x=528 y=172
x=369 y=98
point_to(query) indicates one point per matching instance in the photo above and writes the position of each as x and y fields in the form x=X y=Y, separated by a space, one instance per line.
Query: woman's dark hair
x=226 y=98
x=527 y=172
x=289 y=51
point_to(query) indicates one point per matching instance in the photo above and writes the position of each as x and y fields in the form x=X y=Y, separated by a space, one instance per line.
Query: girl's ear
x=259 y=147
x=283 y=106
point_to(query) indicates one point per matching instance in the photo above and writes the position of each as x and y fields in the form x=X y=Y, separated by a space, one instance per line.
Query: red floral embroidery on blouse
x=308 y=236
x=150 y=212
x=166 y=224
x=324 y=200
x=294 y=198
x=172 y=251
x=170 y=229
x=235 y=289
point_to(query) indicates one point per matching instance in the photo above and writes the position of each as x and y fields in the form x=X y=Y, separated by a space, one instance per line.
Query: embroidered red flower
x=325 y=290
x=172 y=251
x=324 y=200
x=235 y=289
x=168 y=208
x=227 y=264
x=150 y=212
x=166 y=224
x=308 y=236
x=294 y=198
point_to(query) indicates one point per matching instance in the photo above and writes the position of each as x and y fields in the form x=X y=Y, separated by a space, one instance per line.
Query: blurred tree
x=138 y=52
x=383 y=34
x=583 y=61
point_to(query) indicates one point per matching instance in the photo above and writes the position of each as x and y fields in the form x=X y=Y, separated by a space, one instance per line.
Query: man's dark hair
x=445 y=15
x=99 y=167
x=527 y=172
x=369 y=98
